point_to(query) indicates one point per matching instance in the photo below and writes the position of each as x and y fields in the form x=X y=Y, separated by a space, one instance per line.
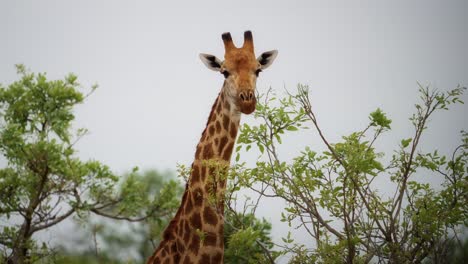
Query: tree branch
x=53 y=222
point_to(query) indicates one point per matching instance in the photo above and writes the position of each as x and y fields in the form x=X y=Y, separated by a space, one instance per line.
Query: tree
x=44 y=182
x=110 y=240
x=332 y=196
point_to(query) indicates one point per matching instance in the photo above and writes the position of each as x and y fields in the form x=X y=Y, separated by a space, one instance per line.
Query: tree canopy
x=44 y=182
x=331 y=194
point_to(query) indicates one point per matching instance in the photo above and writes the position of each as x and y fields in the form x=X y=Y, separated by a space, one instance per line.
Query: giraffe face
x=240 y=69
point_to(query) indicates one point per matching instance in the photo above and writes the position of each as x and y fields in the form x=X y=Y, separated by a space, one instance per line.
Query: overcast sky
x=155 y=94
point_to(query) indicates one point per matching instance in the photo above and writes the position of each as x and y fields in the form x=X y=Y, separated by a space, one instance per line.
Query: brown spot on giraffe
x=228 y=151
x=226 y=122
x=203 y=173
x=174 y=247
x=233 y=130
x=207 y=151
x=176 y=258
x=195 y=243
x=209 y=215
x=196 y=220
x=210 y=239
x=217 y=258
x=197 y=214
x=224 y=140
x=211 y=130
x=188 y=205
x=205 y=258
x=197 y=196
x=187 y=231
x=195 y=174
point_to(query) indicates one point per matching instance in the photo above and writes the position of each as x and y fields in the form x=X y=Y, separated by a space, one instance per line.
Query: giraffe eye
x=225 y=73
x=258 y=72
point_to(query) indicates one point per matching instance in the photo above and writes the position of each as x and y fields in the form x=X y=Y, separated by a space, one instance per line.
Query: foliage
x=332 y=196
x=44 y=182
x=247 y=239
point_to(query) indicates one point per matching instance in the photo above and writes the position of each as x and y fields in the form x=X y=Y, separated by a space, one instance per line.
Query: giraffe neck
x=196 y=232
x=218 y=138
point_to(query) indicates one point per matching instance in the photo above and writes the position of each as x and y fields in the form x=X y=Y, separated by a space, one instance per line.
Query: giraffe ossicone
x=195 y=234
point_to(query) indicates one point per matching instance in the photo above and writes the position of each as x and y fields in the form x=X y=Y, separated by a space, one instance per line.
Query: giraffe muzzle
x=247 y=102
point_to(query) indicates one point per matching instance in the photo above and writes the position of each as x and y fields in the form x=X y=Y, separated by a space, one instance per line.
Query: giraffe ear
x=267 y=58
x=211 y=62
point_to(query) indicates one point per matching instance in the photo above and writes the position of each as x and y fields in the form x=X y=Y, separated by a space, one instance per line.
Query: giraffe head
x=240 y=69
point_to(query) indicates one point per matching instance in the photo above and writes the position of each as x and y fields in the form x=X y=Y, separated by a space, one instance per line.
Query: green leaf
x=405 y=142
x=378 y=118
x=261 y=148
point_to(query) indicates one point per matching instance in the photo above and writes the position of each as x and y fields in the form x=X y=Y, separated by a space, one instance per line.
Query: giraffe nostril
x=246 y=96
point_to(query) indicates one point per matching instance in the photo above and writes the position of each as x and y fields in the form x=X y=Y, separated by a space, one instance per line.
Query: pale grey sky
x=155 y=94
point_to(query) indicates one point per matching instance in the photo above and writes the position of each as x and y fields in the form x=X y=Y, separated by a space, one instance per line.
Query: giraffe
x=195 y=234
